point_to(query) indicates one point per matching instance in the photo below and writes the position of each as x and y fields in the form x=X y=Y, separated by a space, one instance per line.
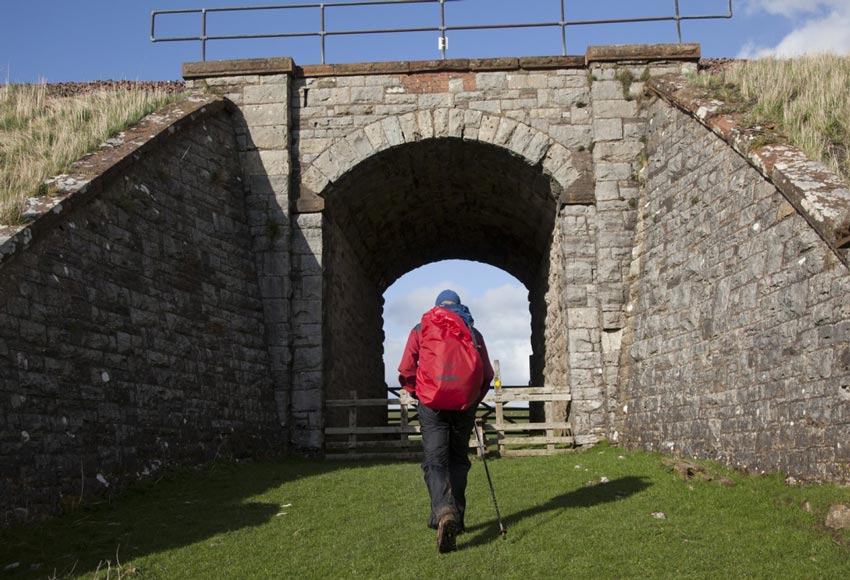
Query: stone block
x=268 y=137
x=572 y=136
x=621 y=151
x=616 y=109
x=375 y=134
x=607 y=129
x=425 y=124
x=392 y=130
x=566 y=98
x=582 y=318
x=265 y=94
x=602 y=90
x=577 y=273
x=367 y=95
x=607 y=191
x=485 y=81
x=330 y=96
x=612 y=171
x=270 y=114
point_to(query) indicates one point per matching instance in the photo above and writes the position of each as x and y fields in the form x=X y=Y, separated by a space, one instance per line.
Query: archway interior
x=411 y=205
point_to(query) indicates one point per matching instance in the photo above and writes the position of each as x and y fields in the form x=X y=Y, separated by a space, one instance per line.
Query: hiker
x=445 y=367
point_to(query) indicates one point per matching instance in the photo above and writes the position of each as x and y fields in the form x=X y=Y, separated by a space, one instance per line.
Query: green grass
x=368 y=521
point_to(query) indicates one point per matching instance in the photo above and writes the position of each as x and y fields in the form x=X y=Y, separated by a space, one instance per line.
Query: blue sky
x=81 y=40
x=64 y=40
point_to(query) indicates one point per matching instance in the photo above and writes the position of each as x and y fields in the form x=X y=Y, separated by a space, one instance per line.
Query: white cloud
x=406 y=310
x=827 y=29
x=793 y=7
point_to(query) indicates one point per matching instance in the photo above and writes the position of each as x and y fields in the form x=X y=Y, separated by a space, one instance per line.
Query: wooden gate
x=508 y=429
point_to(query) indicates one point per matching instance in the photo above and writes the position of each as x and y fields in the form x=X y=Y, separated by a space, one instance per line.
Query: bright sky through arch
x=497 y=300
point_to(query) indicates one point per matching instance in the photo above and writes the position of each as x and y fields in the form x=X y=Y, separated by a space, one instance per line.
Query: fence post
x=500 y=409
x=403 y=400
x=549 y=412
x=352 y=420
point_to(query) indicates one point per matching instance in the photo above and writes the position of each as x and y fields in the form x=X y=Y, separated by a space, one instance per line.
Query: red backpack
x=450 y=373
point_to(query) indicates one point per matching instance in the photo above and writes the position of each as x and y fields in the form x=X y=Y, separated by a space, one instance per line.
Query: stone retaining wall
x=131 y=329
x=739 y=341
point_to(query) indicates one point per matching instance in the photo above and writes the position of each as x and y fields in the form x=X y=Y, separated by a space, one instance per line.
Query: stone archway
x=406 y=191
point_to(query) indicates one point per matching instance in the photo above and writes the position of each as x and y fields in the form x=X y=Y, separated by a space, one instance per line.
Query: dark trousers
x=445 y=438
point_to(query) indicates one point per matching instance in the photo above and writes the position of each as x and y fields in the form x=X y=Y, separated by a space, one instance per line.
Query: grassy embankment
x=807 y=99
x=314 y=519
x=41 y=135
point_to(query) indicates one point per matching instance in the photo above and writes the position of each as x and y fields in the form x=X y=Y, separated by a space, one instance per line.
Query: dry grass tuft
x=806 y=98
x=40 y=135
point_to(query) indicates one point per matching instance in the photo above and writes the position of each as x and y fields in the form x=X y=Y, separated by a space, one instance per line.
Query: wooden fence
x=508 y=429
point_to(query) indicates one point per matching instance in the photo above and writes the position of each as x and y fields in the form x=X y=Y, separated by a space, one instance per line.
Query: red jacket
x=410 y=363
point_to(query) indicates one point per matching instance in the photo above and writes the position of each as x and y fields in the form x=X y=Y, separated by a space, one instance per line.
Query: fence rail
x=508 y=431
x=443 y=28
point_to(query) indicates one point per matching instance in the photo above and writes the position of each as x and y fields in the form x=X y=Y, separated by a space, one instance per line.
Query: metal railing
x=323 y=32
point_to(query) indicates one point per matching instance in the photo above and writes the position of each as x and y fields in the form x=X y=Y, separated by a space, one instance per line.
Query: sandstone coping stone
x=643 y=52
x=238 y=67
x=814 y=190
x=285 y=65
x=88 y=176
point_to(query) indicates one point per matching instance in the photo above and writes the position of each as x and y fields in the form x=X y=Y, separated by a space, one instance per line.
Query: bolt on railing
x=323 y=33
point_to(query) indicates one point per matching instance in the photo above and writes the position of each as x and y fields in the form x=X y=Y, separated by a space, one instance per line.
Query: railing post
x=322 y=32
x=563 y=30
x=678 y=23
x=204 y=34
x=443 y=41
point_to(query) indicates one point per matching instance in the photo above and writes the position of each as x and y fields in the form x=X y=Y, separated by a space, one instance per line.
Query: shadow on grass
x=179 y=510
x=615 y=490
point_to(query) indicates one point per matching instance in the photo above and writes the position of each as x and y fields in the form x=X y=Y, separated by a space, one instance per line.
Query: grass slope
x=806 y=98
x=41 y=135
x=314 y=519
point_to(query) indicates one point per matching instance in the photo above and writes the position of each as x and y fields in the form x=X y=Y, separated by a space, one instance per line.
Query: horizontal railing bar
x=324 y=5
x=374 y=456
x=362 y=444
x=411 y=429
x=459 y=28
x=527 y=427
x=361 y=402
x=533 y=452
x=537 y=398
x=535 y=440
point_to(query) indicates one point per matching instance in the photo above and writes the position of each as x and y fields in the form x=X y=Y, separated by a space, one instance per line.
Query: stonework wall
x=131 y=332
x=738 y=346
x=262 y=124
x=353 y=329
x=585 y=126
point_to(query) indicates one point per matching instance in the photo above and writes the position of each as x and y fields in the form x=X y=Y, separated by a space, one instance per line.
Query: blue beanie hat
x=447 y=296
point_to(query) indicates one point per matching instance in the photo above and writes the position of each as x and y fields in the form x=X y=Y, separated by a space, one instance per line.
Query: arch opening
x=412 y=205
x=498 y=303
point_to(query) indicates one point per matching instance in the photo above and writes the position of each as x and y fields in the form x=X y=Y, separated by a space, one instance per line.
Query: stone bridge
x=210 y=281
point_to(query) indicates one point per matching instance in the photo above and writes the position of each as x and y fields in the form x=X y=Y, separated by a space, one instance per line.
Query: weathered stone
x=838 y=517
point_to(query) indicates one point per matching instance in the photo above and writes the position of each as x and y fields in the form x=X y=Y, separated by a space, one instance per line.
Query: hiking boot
x=447 y=531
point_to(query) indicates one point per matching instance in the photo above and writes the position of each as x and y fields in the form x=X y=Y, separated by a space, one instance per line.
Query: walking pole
x=503 y=531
